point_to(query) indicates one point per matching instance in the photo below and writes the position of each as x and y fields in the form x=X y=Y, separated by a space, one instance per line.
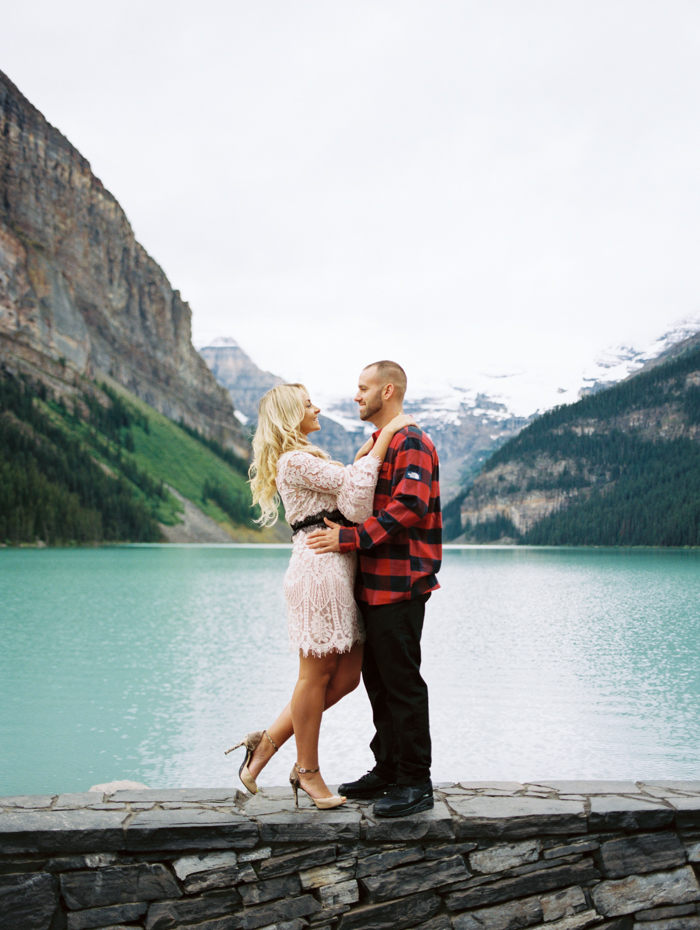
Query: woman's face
x=310 y=422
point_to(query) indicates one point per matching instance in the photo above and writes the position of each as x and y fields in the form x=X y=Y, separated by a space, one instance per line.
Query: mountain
x=246 y=384
x=619 y=467
x=79 y=297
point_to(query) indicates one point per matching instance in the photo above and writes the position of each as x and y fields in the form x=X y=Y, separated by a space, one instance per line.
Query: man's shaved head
x=390 y=373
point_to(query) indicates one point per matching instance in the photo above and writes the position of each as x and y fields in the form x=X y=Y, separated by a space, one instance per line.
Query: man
x=400 y=551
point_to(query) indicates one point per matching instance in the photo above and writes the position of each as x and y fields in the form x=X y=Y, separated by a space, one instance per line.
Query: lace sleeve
x=301 y=470
x=356 y=496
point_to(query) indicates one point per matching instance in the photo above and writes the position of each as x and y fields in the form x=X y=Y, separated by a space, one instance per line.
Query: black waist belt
x=316 y=519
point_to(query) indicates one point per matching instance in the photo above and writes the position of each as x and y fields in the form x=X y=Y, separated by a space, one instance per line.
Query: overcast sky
x=462 y=186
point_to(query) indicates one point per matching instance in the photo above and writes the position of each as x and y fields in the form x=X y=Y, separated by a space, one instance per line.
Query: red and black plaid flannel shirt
x=400 y=546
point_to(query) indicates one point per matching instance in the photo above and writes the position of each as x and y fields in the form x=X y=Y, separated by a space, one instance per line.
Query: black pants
x=396 y=690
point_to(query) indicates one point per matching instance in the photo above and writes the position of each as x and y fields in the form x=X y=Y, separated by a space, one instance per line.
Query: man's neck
x=385 y=415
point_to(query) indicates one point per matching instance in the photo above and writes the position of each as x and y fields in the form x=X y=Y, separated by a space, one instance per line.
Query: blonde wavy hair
x=280 y=413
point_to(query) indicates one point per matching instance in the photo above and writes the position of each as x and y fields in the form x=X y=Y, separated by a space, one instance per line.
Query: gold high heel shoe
x=251 y=742
x=323 y=804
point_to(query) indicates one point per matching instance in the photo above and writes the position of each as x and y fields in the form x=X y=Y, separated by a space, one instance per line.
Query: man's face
x=369 y=394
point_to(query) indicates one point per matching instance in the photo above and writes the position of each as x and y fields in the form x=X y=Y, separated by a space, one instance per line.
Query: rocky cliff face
x=78 y=294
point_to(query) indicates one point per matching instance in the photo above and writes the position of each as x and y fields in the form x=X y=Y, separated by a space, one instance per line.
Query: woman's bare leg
x=344 y=679
x=308 y=702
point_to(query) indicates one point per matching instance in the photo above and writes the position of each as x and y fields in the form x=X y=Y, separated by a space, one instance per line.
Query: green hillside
x=621 y=467
x=93 y=465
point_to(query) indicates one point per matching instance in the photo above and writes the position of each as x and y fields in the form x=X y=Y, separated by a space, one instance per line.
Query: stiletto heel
x=251 y=742
x=323 y=804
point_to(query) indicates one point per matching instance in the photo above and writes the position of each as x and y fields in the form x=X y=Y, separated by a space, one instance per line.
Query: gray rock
x=502 y=858
x=268 y=890
x=619 y=923
x=57 y=832
x=327 y=874
x=298 y=923
x=563 y=903
x=546 y=880
x=576 y=921
x=26 y=801
x=693 y=787
x=255 y=917
x=640 y=892
x=448 y=849
x=673 y=923
x=255 y=855
x=687 y=812
x=219 y=878
x=516 y=816
x=392 y=915
x=338 y=894
x=28 y=901
x=118 y=885
x=164 y=915
x=189 y=829
x=650 y=852
x=310 y=826
x=441 y=922
x=213 y=796
x=414 y=878
x=77 y=801
x=693 y=852
x=205 y=862
x=590 y=788
x=296 y=861
x=380 y=862
x=104 y=916
x=73 y=863
x=506 y=787
x=574 y=848
x=610 y=813
x=434 y=824
x=508 y=916
x=663 y=913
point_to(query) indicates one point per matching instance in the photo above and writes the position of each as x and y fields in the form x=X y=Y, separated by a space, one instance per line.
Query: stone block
x=510 y=916
x=219 y=878
x=563 y=903
x=414 y=878
x=441 y=922
x=118 y=885
x=26 y=801
x=618 y=923
x=73 y=863
x=433 y=824
x=611 y=813
x=576 y=921
x=205 y=862
x=260 y=892
x=56 y=832
x=214 y=796
x=693 y=852
x=640 y=892
x=28 y=901
x=164 y=915
x=339 y=894
x=255 y=855
x=392 y=915
x=505 y=787
x=502 y=858
x=590 y=788
x=77 y=801
x=649 y=852
x=577 y=847
x=692 y=787
x=516 y=817
x=380 y=862
x=672 y=923
x=532 y=883
x=189 y=829
x=104 y=916
x=298 y=923
x=327 y=874
x=687 y=812
x=446 y=850
x=664 y=913
x=296 y=861
x=278 y=911
x=310 y=826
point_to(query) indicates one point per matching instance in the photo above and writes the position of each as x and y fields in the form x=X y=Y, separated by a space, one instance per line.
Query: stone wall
x=490 y=856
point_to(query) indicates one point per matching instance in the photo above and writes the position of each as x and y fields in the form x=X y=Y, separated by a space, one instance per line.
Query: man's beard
x=371 y=408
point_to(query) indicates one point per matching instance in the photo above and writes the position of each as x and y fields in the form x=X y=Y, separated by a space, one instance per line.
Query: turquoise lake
x=147 y=662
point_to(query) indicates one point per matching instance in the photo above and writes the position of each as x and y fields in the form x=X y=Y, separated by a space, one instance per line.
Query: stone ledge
x=489 y=856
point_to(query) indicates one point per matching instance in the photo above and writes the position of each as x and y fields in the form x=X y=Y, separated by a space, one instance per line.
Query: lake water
x=147 y=662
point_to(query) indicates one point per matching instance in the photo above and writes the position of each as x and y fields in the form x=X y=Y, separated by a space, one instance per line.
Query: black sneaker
x=405 y=799
x=369 y=786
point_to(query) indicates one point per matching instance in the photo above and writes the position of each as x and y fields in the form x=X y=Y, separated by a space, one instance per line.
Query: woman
x=325 y=626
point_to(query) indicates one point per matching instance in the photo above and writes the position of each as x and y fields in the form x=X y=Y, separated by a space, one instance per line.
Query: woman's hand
x=401 y=421
x=365 y=449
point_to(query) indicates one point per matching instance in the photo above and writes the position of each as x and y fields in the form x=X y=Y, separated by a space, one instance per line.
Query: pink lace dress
x=318 y=587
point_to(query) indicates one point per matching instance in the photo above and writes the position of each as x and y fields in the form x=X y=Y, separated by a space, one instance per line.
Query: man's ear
x=388 y=391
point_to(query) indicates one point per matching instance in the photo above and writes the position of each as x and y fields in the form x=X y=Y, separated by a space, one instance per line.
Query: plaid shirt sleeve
x=408 y=502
